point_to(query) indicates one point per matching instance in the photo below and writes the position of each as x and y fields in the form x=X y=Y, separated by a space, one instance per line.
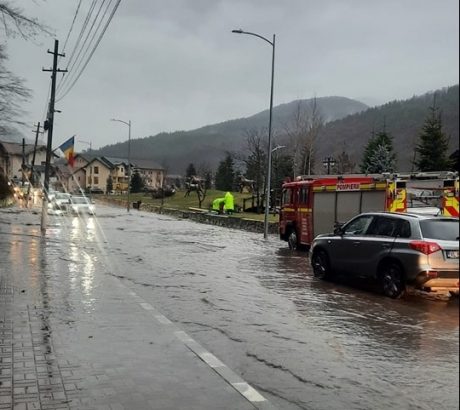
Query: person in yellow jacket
x=229 y=205
x=218 y=205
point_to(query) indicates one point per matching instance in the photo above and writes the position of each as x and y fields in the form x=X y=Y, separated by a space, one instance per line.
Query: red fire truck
x=312 y=205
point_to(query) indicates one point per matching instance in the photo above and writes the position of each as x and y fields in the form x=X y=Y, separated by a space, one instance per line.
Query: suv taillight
x=425 y=247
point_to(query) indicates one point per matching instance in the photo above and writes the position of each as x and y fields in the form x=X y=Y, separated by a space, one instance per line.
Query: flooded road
x=303 y=343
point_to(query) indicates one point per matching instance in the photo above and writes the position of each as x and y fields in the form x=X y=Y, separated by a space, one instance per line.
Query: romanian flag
x=67 y=149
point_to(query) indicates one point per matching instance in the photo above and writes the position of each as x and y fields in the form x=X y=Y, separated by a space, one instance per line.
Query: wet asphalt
x=103 y=288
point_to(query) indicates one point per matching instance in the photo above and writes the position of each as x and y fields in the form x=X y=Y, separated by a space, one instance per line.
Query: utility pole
x=49 y=126
x=32 y=176
x=328 y=162
x=23 y=164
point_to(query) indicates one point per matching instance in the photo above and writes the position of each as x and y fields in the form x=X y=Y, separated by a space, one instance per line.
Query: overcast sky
x=175 y=65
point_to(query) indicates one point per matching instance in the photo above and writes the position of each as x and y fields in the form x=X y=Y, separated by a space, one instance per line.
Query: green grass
x=179 y=201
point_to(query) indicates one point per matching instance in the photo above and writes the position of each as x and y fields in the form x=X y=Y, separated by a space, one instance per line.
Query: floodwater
x=303 y=343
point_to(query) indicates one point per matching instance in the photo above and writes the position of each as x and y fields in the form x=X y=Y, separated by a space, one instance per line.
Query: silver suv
x=395 y=249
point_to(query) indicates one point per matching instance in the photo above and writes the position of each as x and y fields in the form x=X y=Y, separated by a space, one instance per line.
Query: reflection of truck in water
x=312 y=205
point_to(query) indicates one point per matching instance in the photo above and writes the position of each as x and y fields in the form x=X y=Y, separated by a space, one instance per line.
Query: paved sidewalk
x=73 y=336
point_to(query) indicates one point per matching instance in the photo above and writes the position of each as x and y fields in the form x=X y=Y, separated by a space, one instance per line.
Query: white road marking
x=163 y=319
x=249 y=392
x=147 y=306
x=211 y=360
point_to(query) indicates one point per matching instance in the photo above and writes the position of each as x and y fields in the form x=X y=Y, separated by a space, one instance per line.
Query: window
x=403 y=229
x=303 y=197
x=383 y=226
x=96 y=170
x=287 y=197
x=445 y=229
x=358 y=226
x=96 y=180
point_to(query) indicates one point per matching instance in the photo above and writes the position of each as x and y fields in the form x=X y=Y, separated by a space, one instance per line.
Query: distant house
x=175 y=180
x=119 y=173
x=77 y=182
x=98 y=171
x=151 y=173
x=92 y=173
x=13 y=154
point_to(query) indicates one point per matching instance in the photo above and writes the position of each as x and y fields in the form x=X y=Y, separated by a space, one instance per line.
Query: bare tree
x=12 y=89
x=12 y=93
x=16 y=23
x=256 y=162
x=343 y=163
x=303 y=131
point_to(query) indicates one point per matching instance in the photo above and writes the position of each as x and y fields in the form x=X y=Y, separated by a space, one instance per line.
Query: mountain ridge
x=209 y=144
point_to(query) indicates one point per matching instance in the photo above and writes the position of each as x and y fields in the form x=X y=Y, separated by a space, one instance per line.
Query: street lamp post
x=269 y=166
x=128 y=123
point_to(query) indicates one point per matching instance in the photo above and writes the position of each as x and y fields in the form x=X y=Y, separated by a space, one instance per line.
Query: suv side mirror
x=338 y=228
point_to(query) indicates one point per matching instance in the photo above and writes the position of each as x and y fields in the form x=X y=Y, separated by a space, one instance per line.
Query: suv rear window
x=443 y=229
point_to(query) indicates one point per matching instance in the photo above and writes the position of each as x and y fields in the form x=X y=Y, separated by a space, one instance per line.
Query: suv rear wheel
x=392 y=280
x=320 y=265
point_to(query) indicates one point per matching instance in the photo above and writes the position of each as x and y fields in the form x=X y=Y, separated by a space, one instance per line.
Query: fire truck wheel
x=292 y=240
x=392 y=281
x=320 y=264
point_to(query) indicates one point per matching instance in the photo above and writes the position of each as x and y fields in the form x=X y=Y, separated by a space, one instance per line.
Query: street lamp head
x=239 y=31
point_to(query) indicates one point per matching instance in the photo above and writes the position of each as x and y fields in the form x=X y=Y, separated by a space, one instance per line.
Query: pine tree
x=225 y=174
x=109 y=186
x=136 y=183
x=190 y=171
x=379 y=155
x=433 y=145
x=208 y=180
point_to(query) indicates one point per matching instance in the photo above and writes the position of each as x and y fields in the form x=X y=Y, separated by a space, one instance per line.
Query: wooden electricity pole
x=32 y=165
x=49 y=127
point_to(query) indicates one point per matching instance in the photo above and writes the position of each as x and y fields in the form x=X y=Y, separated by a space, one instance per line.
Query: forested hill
x=208 y=145
x=350 y=126
x=403 y=120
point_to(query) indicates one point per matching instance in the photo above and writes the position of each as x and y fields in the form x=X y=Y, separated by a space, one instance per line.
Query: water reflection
x=356 y=313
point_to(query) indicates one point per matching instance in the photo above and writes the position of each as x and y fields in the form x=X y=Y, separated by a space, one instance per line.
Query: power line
x=85 y=23
x=71 y=26
x=80 y=57
x=93 y=50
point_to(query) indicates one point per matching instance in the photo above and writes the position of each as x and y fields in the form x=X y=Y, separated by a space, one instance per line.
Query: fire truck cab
x=313 y=205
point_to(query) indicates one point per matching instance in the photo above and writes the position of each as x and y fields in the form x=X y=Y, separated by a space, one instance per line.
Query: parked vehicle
x=81 y=205
x=395 y=249
x=95 y=191
x=312 y=205
x=61 y=201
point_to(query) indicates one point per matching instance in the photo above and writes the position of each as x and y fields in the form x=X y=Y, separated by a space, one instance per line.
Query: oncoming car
x=81 y=205
x=61 y=200
x=395 y=249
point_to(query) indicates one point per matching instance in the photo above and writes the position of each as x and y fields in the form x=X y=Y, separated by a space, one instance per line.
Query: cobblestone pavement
x=73 y=336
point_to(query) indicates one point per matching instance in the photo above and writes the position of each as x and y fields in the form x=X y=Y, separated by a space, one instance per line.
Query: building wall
x=120 y=178
x=80 y=162
x=97 y=174
x=153 y=178
x=77 y=181
x=13 y=163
